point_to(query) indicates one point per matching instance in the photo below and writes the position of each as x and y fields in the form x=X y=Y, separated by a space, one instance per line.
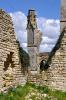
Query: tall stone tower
x=33 y=39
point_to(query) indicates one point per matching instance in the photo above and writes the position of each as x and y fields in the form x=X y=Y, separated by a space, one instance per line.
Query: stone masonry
x=11 y=74
x=10 y=67
x=55 y=75
x=43 y=56
x=57 y=69
x=34 y=38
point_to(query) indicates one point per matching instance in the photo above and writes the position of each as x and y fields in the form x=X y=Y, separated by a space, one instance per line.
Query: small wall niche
x=9 y=61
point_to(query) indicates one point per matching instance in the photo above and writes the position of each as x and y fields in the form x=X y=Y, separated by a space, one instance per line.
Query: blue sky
x=48 y=20
x=46 y=8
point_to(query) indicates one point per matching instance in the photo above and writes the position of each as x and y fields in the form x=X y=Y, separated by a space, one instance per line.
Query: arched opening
x=42 y=63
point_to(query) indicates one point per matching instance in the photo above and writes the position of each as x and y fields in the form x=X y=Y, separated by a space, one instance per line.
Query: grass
x=20 y=92
x=55 y=93
x=16 y=93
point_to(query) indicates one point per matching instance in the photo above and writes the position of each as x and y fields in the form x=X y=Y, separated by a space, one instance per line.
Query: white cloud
x=20 y=21
x=46 y=47
x=49 y=28
x=47 y=40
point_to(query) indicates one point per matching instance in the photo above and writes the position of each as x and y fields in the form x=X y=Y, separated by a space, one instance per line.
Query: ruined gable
x=56 y=73
x=10 y=67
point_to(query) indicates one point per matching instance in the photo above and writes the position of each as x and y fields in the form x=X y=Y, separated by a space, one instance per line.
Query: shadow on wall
x=24 y=58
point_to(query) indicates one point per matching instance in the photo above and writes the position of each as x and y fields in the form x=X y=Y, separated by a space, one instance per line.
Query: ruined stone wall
x=10 y=67
x=55 y=75
x=43 y=56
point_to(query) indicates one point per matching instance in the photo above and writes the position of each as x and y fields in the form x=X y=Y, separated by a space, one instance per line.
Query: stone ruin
x=54 y=72
x=10 y=67
x=54 y=69
x=33 y=40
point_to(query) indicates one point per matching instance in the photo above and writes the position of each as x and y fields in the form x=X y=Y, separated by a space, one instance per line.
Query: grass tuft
x=20 y=93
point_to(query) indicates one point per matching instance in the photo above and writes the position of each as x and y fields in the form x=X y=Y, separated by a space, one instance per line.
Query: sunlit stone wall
x=10 y=67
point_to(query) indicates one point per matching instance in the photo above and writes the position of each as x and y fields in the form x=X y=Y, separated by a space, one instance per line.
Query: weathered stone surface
x=34 y=38
x=55 y=75
x=10 y=67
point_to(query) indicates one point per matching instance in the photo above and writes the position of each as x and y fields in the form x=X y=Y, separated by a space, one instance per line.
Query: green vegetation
x=20 y=93
x=16 y=93
x=55 y=93
x=24 y=58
